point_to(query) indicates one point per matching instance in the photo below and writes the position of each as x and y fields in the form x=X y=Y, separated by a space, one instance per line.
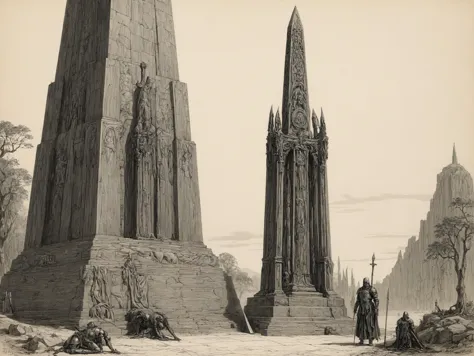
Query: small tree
x=13 y=179
x=454 y=240
x=228 y=263
x=243 y=282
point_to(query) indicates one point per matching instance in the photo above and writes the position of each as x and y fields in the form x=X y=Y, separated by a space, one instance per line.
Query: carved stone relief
x=186 y=164
x=110 y=143
x=165 y=159
x=144 y=131
x=165 y=114
x=298 y=91
x=126 y=93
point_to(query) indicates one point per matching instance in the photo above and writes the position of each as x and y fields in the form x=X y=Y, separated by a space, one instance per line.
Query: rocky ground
x=238 y=344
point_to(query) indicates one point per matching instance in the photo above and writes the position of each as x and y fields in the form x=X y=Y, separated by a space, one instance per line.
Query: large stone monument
x=115 y=220
x=296 y=295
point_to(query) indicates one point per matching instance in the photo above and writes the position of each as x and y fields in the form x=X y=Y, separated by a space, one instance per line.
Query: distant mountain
x=415 y=284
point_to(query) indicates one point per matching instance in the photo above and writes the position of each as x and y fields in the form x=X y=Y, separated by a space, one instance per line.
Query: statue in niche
x=144 y=142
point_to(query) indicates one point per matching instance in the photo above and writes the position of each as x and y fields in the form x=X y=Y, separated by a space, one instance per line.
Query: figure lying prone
x=148 y=323
x=90 y=340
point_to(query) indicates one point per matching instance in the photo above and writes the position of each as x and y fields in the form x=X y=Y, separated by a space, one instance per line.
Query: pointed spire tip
x=455 y=156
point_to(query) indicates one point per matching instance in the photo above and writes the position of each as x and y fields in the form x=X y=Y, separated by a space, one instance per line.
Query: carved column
x=280 y=170
x=315 y=241
x=301 y=279
x=325 y=238
x=268 y=230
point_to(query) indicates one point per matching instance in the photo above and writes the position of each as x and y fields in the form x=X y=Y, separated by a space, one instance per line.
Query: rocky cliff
x=416 y=283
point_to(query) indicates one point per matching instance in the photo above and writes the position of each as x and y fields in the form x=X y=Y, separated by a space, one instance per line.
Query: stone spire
x=295 y=109
x=271 y=124
x=315 y=121
x=455 y=156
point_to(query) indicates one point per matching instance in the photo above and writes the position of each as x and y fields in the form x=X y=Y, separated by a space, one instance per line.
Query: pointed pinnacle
x=315 y=120
x=455 y=156
x=271 y=125
x=322 y=123
x=277 y=120
x=295 y=16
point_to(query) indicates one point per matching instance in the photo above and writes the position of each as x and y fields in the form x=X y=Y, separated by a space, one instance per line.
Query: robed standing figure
x=367 y=309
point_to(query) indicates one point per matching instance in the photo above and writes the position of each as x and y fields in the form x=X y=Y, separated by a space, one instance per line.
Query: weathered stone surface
x=447 y=330
x=296 y=295
x=116 y=160
x=16 y=330
x=421 y=283
x=181 y=280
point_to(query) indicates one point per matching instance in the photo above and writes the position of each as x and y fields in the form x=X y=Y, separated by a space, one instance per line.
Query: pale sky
x=395 y=79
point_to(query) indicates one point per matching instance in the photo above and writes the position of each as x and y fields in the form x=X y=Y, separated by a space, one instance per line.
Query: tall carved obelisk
x=115 y=218
x=296 y=295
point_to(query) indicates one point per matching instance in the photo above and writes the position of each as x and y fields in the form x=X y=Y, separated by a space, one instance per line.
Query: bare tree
x=454 y=240
x=13 y=179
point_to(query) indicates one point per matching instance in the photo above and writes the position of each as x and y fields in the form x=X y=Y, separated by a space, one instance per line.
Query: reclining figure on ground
x=90 y=340
x=148 y=323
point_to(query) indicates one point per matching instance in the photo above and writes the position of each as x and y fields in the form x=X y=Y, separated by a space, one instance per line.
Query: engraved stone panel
x=39 y=194
x=181 y=111
x=109 y=193
x=112 y=92
x=165 y=119
x=165 y=223
x=188 y=199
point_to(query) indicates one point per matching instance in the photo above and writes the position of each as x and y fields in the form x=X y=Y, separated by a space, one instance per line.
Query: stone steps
x=192 y=292
x=293 y=326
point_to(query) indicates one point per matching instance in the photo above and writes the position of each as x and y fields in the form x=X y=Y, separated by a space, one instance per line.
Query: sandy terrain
x=228 y=344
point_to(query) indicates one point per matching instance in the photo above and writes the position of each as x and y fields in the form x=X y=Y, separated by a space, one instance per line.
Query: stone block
x=58 y=289
x=298 y=314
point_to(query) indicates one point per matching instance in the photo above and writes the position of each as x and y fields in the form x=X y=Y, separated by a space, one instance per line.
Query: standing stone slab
x=189 y=205
x=115 y=204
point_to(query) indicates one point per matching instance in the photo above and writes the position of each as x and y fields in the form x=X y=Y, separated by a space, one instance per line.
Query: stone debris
x=442 y=331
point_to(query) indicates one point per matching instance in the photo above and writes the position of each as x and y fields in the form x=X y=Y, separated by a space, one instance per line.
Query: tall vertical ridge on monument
x=297 y=269
x=116 y=156
x=297 y=253
x=295 y=107
x=115 y=219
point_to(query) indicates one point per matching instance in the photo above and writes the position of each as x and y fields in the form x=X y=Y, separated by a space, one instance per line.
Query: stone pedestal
x=72 y=283
x=303 y=313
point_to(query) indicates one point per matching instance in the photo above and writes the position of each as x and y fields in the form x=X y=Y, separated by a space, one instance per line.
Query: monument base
x=302 y=313
x=69 y=284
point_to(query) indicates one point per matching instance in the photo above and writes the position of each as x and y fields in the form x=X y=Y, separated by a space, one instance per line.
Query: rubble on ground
x=445 y=330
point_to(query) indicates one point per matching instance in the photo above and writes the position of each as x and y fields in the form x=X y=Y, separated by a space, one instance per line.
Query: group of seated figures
x=140 y=323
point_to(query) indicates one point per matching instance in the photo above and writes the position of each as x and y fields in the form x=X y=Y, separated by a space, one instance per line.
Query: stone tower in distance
x=296 y=295
x=114 y=221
